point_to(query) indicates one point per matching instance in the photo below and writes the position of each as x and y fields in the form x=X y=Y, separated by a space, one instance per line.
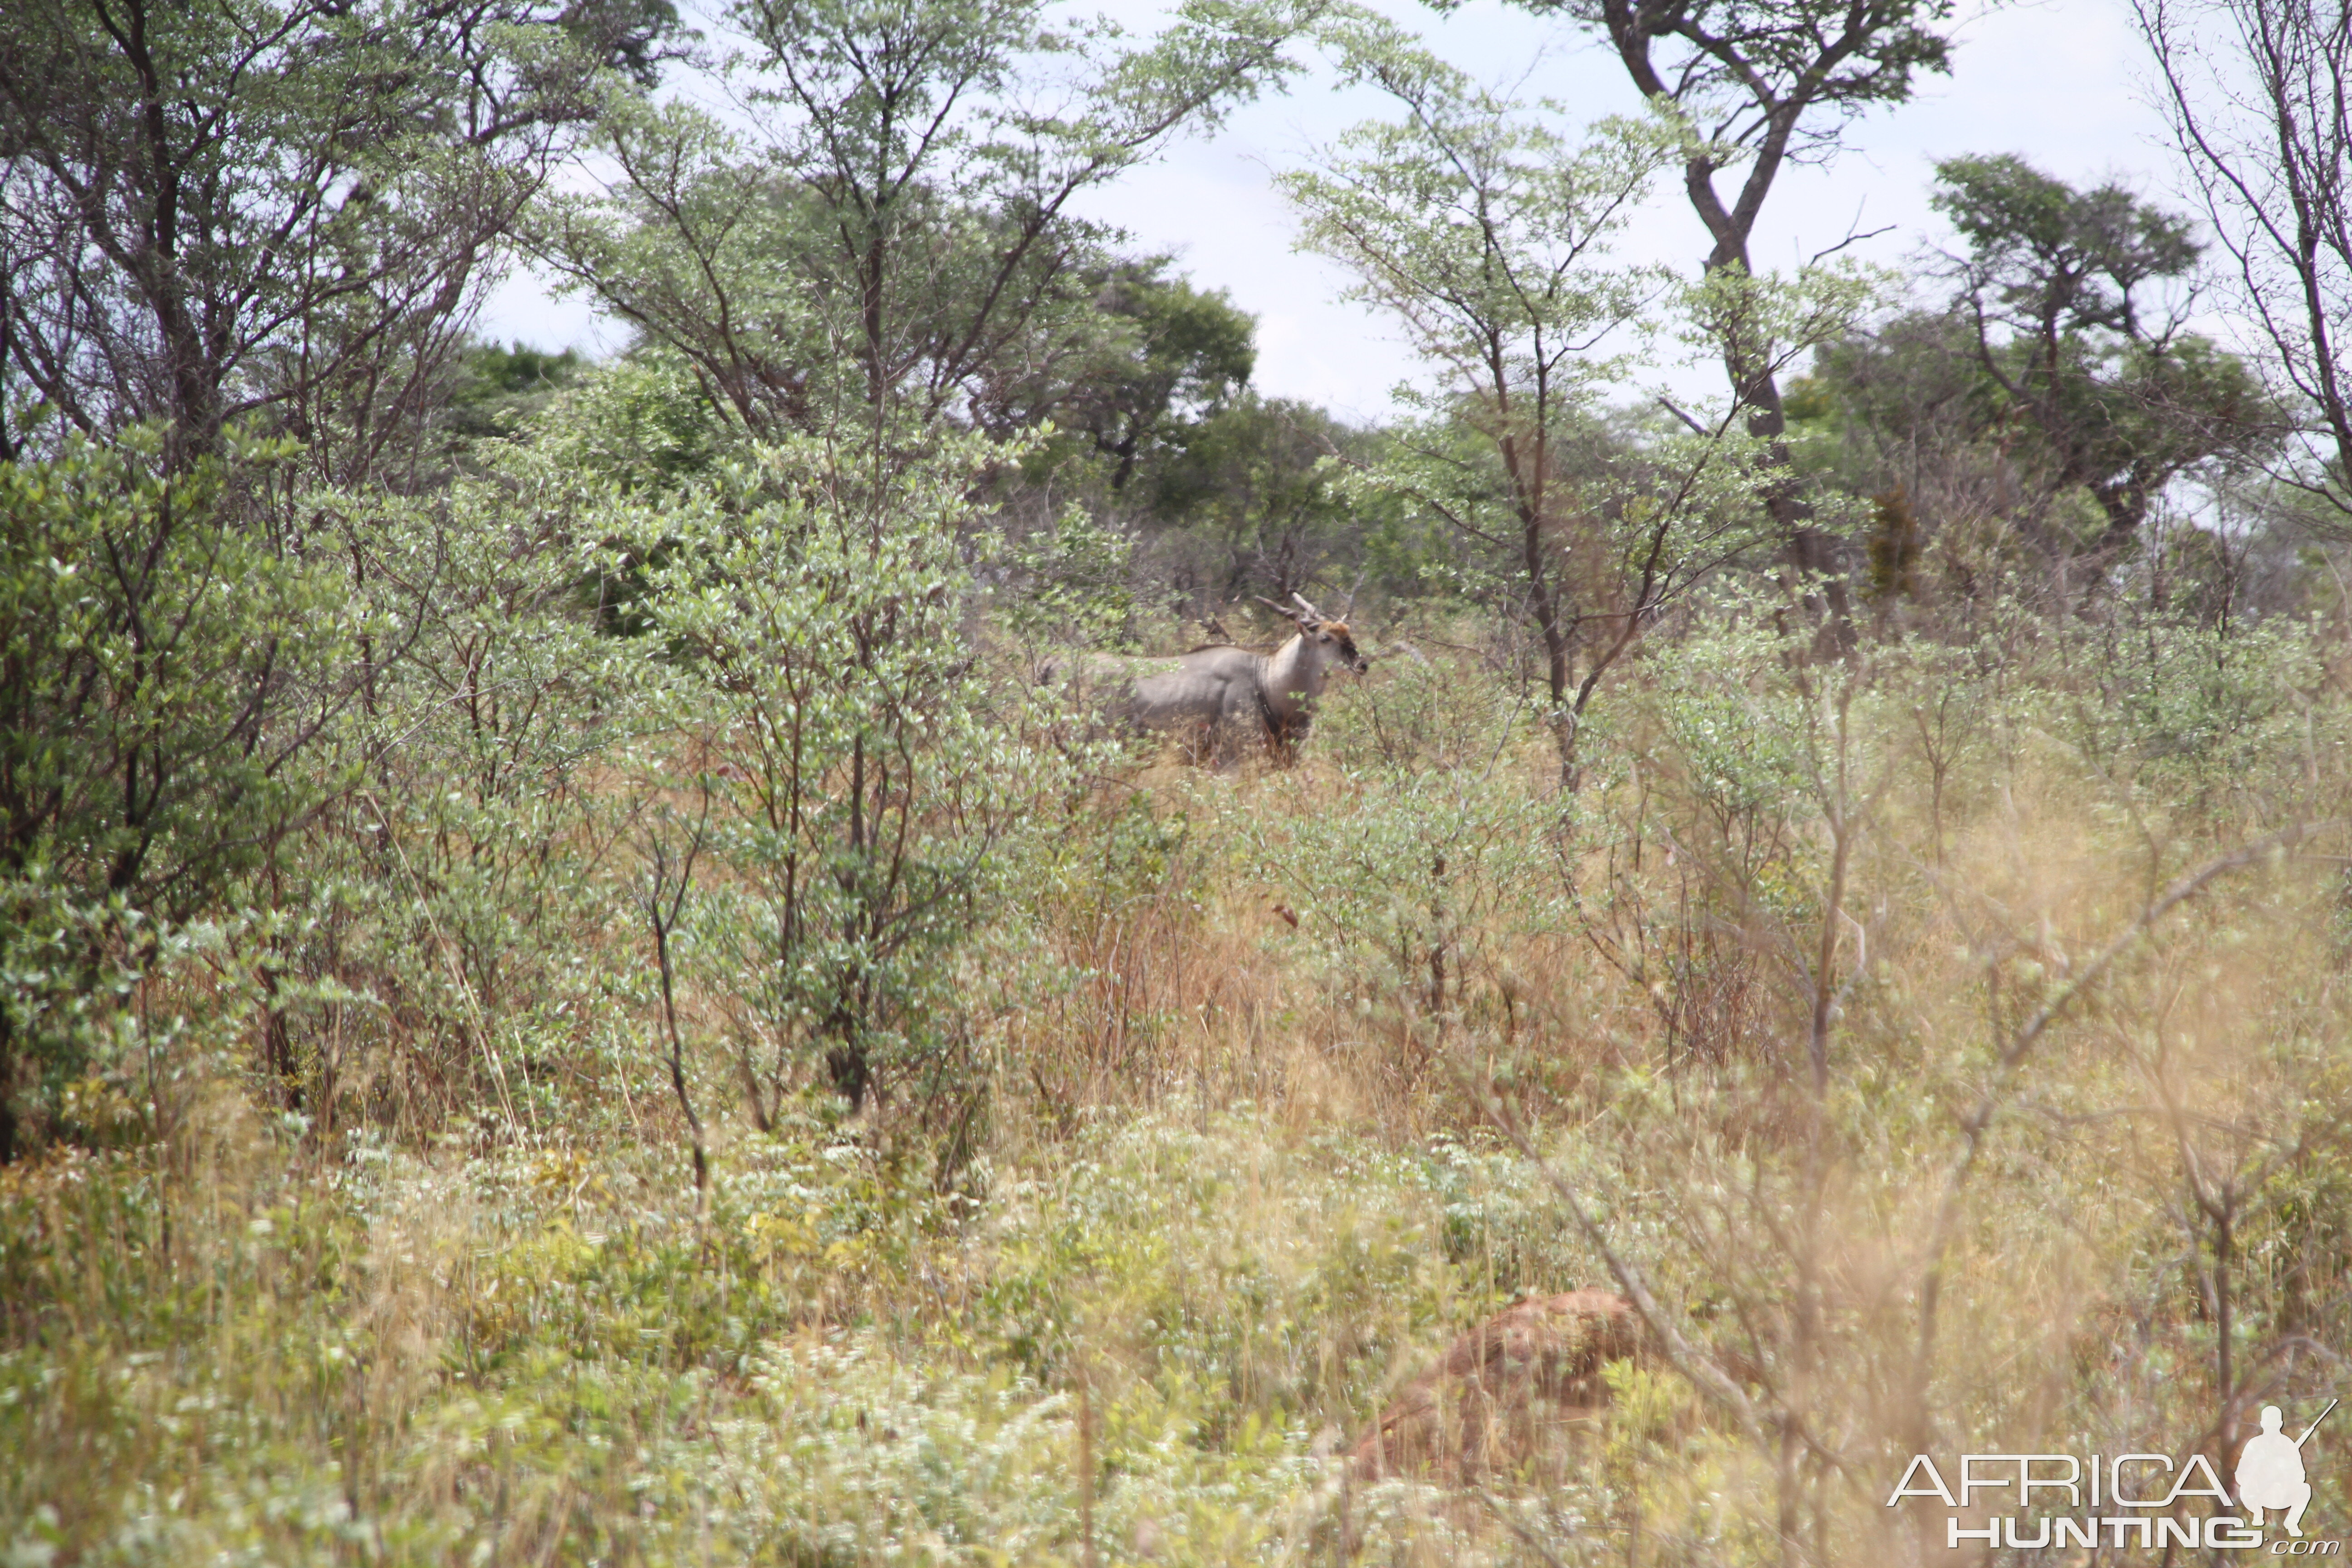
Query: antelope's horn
x=1311 y=612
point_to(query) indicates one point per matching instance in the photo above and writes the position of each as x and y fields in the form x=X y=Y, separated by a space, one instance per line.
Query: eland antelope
x=1221 y=698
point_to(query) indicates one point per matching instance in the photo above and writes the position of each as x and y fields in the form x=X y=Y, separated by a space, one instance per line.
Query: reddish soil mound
x=1503 y=1394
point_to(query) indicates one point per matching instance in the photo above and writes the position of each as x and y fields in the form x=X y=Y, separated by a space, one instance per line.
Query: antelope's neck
x=1293 y=673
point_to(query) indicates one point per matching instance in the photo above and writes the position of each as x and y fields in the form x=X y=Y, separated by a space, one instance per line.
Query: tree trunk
x=1806 y=551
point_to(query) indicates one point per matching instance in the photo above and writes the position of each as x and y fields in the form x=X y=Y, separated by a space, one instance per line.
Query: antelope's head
x=1331 y=638
x=1326 y=641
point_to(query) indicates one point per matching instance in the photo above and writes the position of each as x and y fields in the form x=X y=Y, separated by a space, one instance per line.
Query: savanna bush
x=827 y=743
x=1420 y=854
x=162 y=663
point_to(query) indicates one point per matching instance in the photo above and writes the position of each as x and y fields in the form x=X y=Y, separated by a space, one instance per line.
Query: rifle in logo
x=2270 y=1470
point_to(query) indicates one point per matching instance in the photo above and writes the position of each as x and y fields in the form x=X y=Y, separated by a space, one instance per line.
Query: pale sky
x=2059 y=83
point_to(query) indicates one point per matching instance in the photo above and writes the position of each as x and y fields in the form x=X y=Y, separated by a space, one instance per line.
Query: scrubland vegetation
x=570 y=996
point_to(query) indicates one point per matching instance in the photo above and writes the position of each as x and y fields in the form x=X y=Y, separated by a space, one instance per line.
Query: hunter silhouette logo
x=2270 y=1471
x=2095 y=1500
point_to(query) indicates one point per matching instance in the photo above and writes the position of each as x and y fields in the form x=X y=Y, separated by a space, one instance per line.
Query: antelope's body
x=1223 y=698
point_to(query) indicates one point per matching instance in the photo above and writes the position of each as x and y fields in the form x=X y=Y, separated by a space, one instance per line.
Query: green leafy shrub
x=162 y=667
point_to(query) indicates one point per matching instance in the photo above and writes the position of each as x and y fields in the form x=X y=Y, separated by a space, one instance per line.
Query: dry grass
x=1236 y=1188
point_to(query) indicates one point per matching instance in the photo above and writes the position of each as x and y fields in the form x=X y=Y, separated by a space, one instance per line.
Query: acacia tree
x=1764 y=82
x=1486 y=233
x=2262 y=125
x=271 y=213
x=1248 y=505
x=272 y=207
x=2057 y=286
x=895 y=226
x=1166 y=357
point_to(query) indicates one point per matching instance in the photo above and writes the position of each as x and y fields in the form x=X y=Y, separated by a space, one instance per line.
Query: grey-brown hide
x=1224 y=698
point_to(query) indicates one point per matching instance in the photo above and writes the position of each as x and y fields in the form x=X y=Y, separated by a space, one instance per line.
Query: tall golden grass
x=1841 y=1012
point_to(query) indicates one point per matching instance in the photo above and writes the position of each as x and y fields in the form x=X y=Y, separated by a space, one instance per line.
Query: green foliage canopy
x=158 y=672
x=280 y=205
x=897 y=223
